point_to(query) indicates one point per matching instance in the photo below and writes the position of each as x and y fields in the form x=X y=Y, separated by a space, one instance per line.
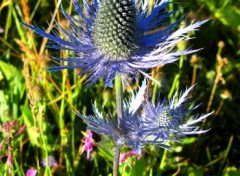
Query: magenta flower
x=31 y=172
x=125 y=156
x=88 y=144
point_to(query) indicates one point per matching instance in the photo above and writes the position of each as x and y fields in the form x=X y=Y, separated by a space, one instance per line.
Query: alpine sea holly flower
x=147 y=123
x=168 y=120
x=124 y=132
x=119 y=36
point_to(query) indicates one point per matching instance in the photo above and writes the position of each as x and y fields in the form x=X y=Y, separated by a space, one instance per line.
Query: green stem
x=119 y=103
x=119 y=98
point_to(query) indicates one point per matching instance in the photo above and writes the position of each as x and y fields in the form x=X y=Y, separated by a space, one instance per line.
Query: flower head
x=1 y=30
x=88 y=144
x=51 y=161
x=31 y=172
x=148 y=123
x=124 y=156
x=118 y=36
x=168 y=120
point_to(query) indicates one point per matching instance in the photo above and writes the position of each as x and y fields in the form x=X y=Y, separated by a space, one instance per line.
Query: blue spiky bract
x=118 y=36
x=147 y=123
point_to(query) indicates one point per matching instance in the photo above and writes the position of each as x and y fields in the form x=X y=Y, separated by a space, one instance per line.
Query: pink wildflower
x=31 y=172
x=124 y=156
x=1 y=30
x=88 y=144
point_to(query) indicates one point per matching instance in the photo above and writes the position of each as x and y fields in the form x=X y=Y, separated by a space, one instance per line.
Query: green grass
x=45 y=101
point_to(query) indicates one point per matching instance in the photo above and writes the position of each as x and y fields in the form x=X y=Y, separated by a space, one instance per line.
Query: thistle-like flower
x=118 y=36
x=147 y=123
x=168 y=120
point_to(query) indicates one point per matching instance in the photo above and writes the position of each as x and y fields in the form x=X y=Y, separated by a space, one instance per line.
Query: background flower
x=88 y=144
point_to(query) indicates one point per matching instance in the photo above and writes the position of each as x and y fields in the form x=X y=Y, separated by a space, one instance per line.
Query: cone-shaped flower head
x=114 y=31
x=148 y=123
x=168 y=120
x=118 y=36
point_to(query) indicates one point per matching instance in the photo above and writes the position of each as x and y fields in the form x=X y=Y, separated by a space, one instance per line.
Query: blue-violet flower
x=118 y=36
x=148 y=123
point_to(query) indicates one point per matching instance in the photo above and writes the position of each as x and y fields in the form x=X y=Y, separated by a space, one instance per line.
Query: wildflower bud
x=106 y=97
x=1 y=30
x=221 y=44
x=10 y=125
x=115 y=28
x=37 y=93
x=225 y=94
x=182 y=45
x=21 y=130
x=225 y=61
x=195 y=60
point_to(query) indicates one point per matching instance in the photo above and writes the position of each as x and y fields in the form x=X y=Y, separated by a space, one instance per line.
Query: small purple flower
x=51 y=161
x=31 y=172
x=88 y=144
x=110 y=37
x=125 y=156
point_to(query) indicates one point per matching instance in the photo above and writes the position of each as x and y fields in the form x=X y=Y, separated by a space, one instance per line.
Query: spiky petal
x=118 y=36
x=168 y=120
x=149 y=123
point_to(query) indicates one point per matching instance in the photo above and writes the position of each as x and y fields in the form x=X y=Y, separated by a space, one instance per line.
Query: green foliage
x=45 y=102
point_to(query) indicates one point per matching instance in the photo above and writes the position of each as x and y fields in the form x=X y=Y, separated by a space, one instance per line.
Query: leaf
x=31 y=129
x=231 y=171
x=8 y=70
x=229 y=16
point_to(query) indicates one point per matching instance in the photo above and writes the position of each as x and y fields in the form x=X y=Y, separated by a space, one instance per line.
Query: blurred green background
x=45 y=101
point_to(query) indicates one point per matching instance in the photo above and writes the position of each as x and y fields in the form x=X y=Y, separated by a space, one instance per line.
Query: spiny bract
x=112 y=37
x=147 y=123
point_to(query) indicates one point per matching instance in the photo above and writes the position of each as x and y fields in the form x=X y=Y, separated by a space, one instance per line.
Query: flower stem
x=119 y=103
x=119 y=98
x=116 y=160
